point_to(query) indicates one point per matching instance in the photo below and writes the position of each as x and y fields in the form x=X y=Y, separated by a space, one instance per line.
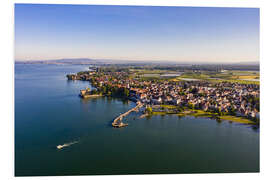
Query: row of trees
x=114 y=91
x=112 y=69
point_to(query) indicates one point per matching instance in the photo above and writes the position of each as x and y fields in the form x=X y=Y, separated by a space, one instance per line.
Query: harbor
x=118 y=123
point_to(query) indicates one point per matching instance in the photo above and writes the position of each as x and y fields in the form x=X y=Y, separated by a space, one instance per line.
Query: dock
x=117 y=122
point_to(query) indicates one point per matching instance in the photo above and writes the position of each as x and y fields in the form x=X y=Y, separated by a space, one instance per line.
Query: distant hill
x=255 y=63
x=63 y=61
x=87 y=61
x=90 y=61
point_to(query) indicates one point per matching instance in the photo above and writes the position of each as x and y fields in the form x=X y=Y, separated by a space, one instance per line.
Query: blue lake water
x=49 y=112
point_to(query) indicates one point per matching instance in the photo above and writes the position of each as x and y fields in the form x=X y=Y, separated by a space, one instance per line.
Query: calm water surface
x=48 y=112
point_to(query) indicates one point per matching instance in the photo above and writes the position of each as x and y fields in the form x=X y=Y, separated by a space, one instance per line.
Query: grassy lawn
x=200 y=113
x=169 y=106
x=237 y=119
x=159 y=113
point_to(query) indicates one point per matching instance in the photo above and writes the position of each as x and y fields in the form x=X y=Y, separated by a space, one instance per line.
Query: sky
x=143 y=33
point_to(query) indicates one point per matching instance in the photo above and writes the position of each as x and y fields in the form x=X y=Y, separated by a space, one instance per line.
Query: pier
x=117 y=122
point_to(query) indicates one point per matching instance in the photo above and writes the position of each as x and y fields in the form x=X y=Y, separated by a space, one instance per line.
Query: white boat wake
x=66 y=144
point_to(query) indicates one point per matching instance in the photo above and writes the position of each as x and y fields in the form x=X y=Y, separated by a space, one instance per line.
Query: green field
x=200 y=113
x=242 y=77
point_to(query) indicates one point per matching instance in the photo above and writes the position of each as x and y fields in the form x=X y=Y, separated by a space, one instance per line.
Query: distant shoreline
x=88 y=61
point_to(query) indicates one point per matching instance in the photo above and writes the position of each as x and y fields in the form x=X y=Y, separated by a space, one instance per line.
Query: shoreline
x=161 y=109
x=91 y=96
x=200 y=113
x=187 y=112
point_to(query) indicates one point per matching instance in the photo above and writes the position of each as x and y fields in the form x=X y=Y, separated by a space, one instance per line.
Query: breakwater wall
x=117 y=122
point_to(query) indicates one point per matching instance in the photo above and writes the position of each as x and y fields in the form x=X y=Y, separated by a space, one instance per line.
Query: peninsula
x=217 y=93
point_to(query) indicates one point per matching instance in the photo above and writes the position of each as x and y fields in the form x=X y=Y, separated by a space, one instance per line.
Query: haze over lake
x=49 y=112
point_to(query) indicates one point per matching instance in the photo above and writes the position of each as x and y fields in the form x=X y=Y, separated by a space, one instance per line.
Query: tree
x=191 y=106
x=194 y=91
x=232 y=111
x=149 y=110
x=94 y=91
x=126 y=92
x=220 y=113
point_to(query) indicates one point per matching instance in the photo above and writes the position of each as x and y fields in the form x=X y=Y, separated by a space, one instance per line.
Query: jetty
x=117 y=122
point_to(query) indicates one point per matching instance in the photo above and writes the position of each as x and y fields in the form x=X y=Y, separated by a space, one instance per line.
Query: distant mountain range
x=111 y=61
x=62 y=61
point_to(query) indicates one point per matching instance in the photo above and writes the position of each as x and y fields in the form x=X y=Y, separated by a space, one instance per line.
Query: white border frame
x=7 y=88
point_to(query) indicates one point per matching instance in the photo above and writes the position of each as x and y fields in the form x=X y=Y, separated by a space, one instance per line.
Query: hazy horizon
x=136 y=33
x=141 y=61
